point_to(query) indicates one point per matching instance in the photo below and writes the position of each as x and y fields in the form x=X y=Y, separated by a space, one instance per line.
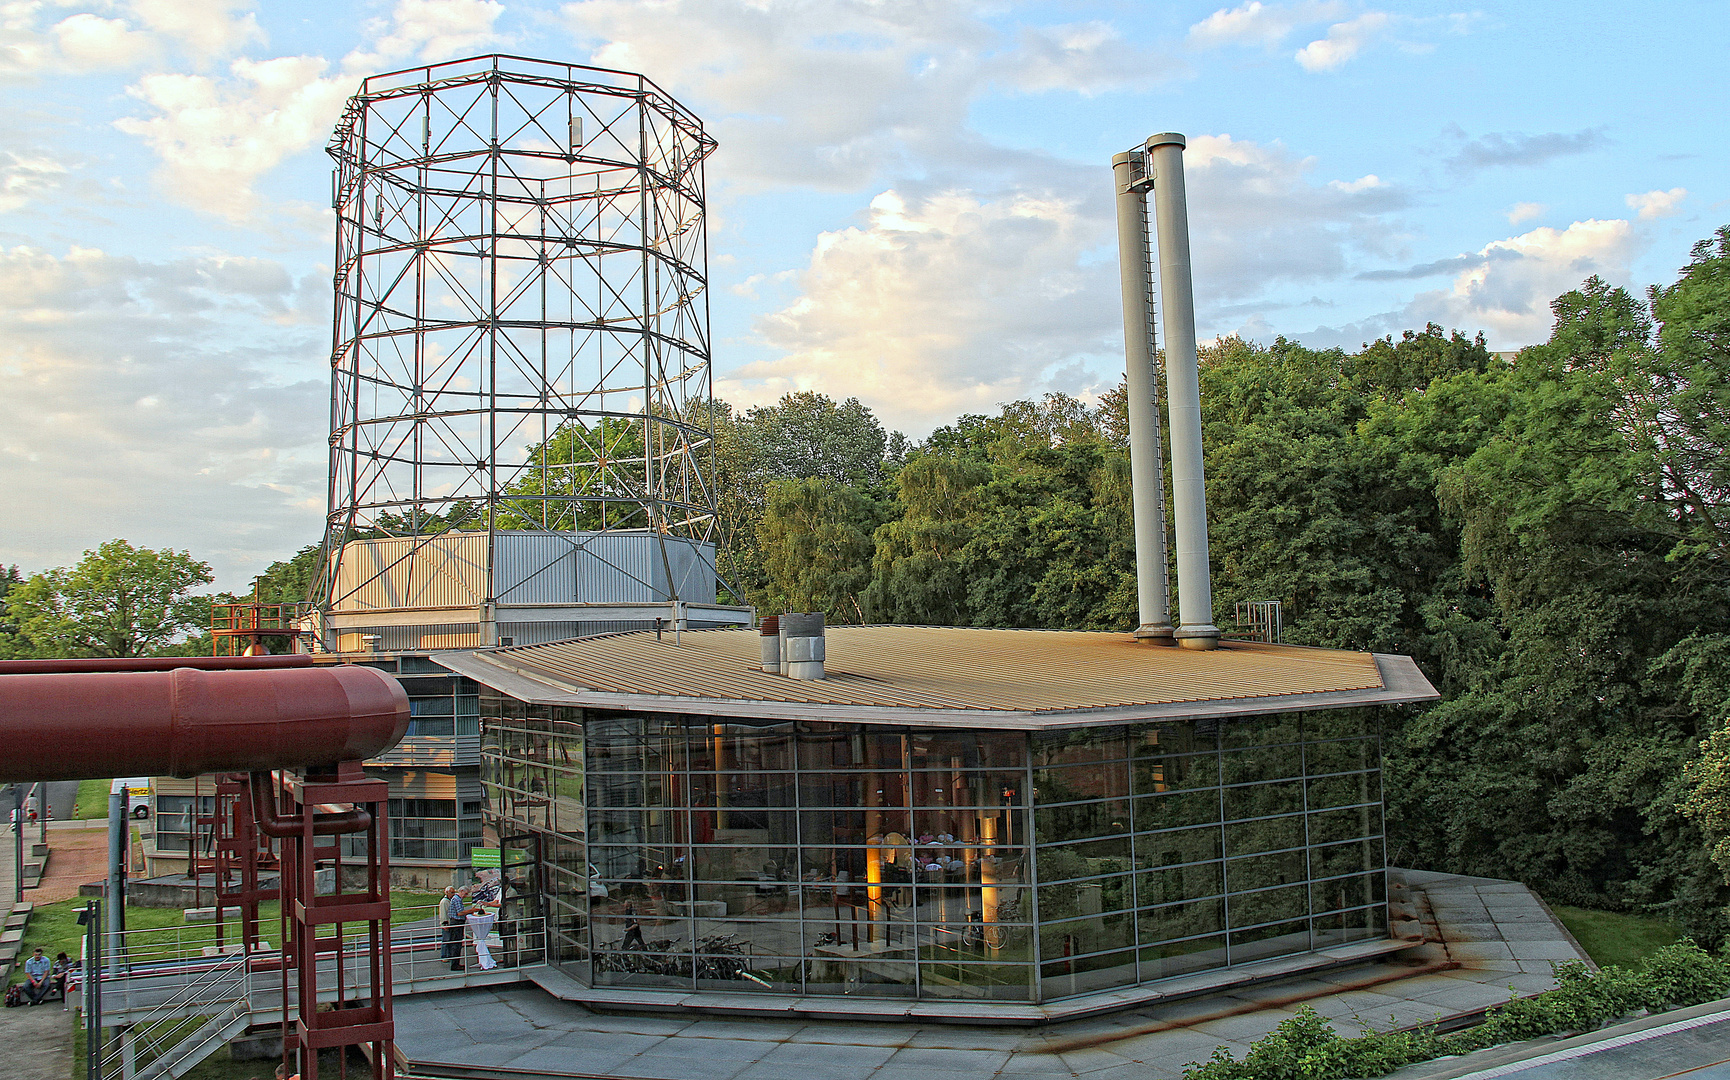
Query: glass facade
x=696 y=852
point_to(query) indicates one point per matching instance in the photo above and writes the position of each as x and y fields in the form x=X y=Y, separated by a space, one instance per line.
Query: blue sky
x=910 y=204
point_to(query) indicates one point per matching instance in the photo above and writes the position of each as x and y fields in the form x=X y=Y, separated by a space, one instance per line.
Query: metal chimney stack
x=1146 y=471
x=1161 y=168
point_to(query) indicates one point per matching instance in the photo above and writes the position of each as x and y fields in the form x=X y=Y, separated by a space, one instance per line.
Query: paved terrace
x=1482 y=939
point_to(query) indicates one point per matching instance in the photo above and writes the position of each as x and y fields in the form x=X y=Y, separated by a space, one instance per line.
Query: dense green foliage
x=1305 y=1047
x=117 y=601
x=1549 y=536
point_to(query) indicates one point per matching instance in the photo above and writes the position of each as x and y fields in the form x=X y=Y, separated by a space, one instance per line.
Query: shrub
x=1306 y=1047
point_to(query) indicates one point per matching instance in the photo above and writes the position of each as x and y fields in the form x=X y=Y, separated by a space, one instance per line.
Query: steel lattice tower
x=521 y=335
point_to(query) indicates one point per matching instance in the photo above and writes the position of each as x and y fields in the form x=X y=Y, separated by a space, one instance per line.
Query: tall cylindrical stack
x=770 y=643
x=1183 y=393
x=803 y=645
x=1146 y=472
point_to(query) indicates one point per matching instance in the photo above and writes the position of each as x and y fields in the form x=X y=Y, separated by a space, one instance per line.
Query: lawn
x=92 y=801
x=1611 y=937
x=55 y=926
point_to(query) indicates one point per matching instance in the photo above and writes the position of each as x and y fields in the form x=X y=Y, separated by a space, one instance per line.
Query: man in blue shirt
x=36 y=986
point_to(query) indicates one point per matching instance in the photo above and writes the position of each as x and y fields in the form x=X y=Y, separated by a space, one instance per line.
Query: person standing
x=455 y=916
x=484 y=898
x=450 y=930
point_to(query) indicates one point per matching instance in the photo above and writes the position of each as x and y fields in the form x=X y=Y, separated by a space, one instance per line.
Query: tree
x=118 y=601
x=1707 y=803
x=816 y=541
x=14 y=643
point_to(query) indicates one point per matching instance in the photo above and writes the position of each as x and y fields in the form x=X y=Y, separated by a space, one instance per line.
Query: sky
x=910 y=204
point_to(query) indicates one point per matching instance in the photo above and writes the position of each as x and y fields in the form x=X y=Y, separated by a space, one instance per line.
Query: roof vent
x=802 y=647
x=770 y=629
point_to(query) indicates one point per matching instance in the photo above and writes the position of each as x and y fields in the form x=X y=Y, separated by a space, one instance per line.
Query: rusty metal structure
x=521 y=352
x=242 y=627
x=286 y=740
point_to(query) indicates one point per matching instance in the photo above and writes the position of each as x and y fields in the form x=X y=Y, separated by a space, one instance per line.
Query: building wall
x=681 y=852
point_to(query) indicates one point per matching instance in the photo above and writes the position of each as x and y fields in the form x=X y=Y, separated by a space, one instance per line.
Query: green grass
x=55 y=926
x=92 y=801
x=1611 y=937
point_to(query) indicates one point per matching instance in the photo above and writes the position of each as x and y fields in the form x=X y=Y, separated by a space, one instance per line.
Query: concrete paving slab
x=731 y=1049
x=1543 y=950
x=969 y=1039
x=787 y=1070
x=890 y=1072
x=1246 y=1027
x=1092 y=1060
x=865 y=1034
x=1479 y=950
x=831 y=1057
x=607 y=1042
x=1474 y=931
x=650 y=1068
x=562 y=1059
x=979 y=1062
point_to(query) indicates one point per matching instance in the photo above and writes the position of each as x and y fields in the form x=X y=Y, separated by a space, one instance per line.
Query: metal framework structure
x=522 y=327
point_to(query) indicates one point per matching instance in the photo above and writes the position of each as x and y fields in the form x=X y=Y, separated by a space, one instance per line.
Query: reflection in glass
x=697 y=853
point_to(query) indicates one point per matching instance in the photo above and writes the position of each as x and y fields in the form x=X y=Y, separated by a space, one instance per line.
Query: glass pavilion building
x=986 y=815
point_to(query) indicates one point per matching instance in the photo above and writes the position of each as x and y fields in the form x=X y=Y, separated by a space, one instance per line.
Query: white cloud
x=23 y=179
x=159 y=401
x=1256 y=23
x=1257 y=219
x=1343 y=42
x=432 y=30
x=1362 y=183
x=1657 y=204
x=1507 y=293
x=215 y=138
x=956 y=299
x=117 y=36
x=90 y=42
x=1525 y=211
x=202 y=29
x=217 y=135
x=944 y=304
x=834 y=94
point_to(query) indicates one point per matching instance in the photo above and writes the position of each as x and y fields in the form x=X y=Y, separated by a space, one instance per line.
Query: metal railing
x=172 y=995
x=198 y=1011
x=420 y=951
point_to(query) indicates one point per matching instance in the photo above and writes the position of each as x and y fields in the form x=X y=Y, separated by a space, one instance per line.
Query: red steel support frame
x=361 y=1012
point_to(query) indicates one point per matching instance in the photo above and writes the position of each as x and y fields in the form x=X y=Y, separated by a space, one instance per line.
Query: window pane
x=1171 y=921
x=1182 y=846
x=1269 y=834
x=1177 y=809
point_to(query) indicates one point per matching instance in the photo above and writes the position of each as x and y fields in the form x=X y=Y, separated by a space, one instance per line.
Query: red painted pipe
x=70 y=665
x=186 y=722
x=270 y=823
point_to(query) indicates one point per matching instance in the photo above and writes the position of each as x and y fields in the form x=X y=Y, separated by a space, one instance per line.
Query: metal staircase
x=194 y=1017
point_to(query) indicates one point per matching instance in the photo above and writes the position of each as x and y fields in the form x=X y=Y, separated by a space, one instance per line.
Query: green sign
x=482 y=858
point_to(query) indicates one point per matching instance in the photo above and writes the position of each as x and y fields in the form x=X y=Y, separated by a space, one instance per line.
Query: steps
x=192 y=1050
x=12 y=938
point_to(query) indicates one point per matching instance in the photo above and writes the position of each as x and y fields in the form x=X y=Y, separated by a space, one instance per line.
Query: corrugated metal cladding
x=528 y=568
x=402 y=638
x=539 y=633
x=931 y=667
x=402 y=572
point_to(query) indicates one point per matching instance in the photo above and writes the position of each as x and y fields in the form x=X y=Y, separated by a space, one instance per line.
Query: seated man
x=36 y=971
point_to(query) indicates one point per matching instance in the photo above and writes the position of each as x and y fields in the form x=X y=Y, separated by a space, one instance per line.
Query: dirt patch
x=80 y=857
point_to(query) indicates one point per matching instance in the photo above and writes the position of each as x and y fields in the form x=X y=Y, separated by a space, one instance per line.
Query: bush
x=1307 y=1048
